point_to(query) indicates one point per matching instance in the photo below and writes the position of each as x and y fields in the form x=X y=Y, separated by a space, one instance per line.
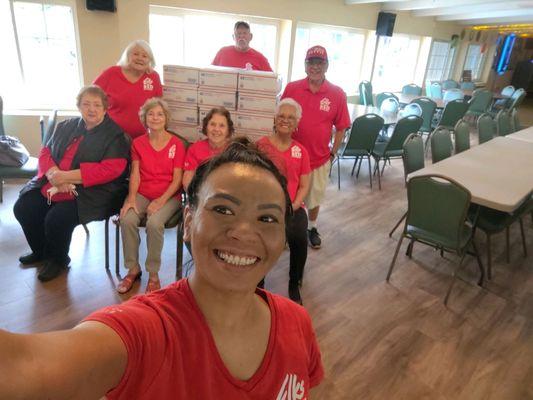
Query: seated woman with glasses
x=292 y=160
x=214 y=335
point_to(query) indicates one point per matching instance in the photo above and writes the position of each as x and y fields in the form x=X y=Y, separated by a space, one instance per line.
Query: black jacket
x=106 y=140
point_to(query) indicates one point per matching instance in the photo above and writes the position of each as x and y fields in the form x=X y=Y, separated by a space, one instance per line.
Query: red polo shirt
x=199 y=152
x=321 y=111
x=292 y=163
x=229 y=56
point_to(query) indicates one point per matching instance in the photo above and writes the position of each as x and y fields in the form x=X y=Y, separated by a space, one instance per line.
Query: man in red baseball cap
x=323 y=106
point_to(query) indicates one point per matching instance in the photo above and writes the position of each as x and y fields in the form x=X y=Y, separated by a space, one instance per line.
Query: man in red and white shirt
x=324 y=106
x=241 y=55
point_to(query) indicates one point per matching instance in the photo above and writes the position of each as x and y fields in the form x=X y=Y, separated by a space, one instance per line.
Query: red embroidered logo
x=325 y=104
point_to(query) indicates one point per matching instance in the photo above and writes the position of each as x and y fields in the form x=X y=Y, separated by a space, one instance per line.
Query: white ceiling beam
x=473 y=9
x=521 y=13
x=497 y=21
x=427 y=4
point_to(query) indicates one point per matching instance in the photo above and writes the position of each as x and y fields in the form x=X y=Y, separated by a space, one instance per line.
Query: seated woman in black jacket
x=82 y=178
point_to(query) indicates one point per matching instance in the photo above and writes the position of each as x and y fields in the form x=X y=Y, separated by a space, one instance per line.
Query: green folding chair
x=446 y=230
x=380 y=97
x=486 y=128
x=428 y=110
x=365 y=93
x=360 y=144
x=503 y=123
x=462 y=136
x=479 y=103
x=453 y=112
x=412 y=89
x=441 y=144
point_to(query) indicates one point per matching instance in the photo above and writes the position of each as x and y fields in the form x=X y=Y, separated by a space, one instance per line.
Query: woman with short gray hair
x=129 y=84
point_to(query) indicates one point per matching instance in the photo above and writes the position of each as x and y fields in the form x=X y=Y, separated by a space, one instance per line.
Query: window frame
x=476 y=75
x=448 y=61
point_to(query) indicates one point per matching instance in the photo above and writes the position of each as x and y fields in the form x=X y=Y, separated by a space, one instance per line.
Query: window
x=399 y=60
x=41 y=55
x=175 y=35
x=475 y=57
x=440 y=61
x=345 y=49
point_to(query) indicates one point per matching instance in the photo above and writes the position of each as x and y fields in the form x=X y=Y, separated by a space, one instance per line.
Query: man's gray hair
x=125 y=57
x=290 y=102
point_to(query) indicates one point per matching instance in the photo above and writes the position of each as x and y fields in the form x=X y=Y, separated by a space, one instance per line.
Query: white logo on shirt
x=148 y=84
x=291 y=388
x=325 y=104
x=248 y=66
x=172 y=151
x=296 y=152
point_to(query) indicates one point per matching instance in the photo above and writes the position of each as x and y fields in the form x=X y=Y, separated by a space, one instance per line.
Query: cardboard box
x=216 y=98
x=176 y=75
x=204 y=110
x=181 y=94
x=254 y=102
x=188 y=131
x=219 y=77
x=183 y=113
x=254 y=121
x=259 y=81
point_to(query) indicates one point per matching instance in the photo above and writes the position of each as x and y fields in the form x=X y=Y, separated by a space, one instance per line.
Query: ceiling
x=464 y=12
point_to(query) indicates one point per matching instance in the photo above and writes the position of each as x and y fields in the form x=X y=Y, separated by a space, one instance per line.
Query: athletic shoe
x=314 y=238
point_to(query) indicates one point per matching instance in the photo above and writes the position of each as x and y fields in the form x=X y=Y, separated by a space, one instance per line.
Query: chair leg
x=359 y=167
x=86 y=229
x=117 y=248
x=507 y=245
x=397 y=224
x=454 y=274
x=379 y=176
x=489 y=259
x=523 y=236
x=106 y=243
x=338 y=174
x=394 y=257
x=354 y=164
x=2 y=193
x=383 y=168
x=479 y=263
x=369 y=170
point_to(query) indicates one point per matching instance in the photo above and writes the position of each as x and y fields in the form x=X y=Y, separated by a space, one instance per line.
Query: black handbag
x=12 y=152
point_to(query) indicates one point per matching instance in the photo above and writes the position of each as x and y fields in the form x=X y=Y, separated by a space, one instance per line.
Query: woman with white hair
x=129 y=84
x=292 y=160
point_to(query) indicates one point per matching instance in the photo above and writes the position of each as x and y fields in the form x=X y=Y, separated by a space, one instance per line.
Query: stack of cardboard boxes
x=249 y=96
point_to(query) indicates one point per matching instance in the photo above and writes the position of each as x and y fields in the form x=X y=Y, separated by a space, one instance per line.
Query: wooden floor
x=379 y=340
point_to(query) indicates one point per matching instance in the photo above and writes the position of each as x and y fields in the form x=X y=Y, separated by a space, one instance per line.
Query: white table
x=498 y=173
x=525 y=134
x=357 y=110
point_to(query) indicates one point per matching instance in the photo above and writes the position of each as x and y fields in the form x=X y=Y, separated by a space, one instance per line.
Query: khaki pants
x=319 y=182
x=155 y=227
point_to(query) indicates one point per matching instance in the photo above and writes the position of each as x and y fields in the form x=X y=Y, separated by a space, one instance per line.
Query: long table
x=404 y=99
x=497 y=173
x=357 y=110
x=525 y=135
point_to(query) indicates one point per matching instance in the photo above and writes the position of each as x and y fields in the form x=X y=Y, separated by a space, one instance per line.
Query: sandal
x=153 y=285
x=126 y=284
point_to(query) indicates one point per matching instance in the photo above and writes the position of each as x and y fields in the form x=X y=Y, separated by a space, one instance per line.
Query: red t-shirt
x=126 y=98
x=172 y=353
x=321 y=111
x=199 y=152
x=156 y=167
x=229 y=56
x=292 y=163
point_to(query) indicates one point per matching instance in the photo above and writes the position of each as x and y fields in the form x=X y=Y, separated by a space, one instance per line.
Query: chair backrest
x=413 y=153
x=436 y=90
x=2 y=131
x=364 y=132
x=515 y=122
x=382 y=96
x=453 y=112
x=390 y=104
x=412 y=109
x=449 y=84
x=441 y=144
x=453 y=94
x=365 y=93
x=480 y=102
x=438 y=205
x=486 y=128
x=503 y=123
x=403 y=128
x=467 y=86
x=185 y=142
x=412 y=89
x=508 y=91
x=462 y=136
x=516 y=98
x=428 y=107
x=47 y=132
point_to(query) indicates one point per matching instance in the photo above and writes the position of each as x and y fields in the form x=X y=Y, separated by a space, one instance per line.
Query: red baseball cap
x=317 y=52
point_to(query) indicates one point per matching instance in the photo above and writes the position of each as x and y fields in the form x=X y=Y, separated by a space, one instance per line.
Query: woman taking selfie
x=212 y=336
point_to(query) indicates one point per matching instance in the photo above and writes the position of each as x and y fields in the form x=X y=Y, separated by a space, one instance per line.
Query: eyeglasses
x=316 y=62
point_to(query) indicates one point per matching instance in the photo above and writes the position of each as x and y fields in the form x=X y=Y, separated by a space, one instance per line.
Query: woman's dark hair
x=242 y=151
x=220 y=111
